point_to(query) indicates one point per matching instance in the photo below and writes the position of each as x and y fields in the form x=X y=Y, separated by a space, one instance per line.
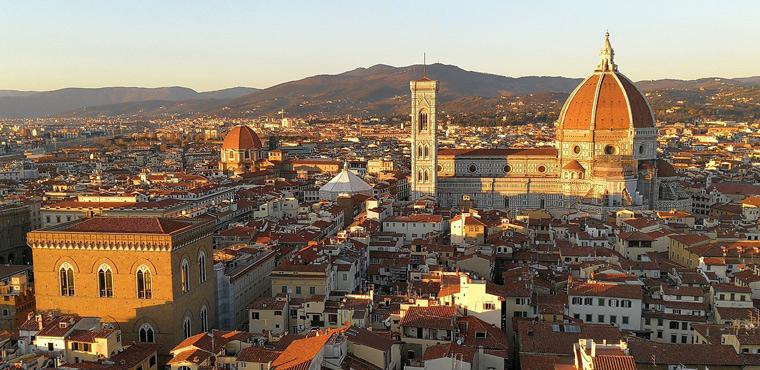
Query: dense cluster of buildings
x=625 y=244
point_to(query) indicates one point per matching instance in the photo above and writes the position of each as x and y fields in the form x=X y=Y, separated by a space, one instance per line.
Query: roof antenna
x=424 y=64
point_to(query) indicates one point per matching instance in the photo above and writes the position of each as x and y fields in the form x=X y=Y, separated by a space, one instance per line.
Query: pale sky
x=209 y=45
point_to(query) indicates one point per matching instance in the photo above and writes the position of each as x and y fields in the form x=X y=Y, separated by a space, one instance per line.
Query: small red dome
x=574 y=166
x=665 y=169
x=242 y=138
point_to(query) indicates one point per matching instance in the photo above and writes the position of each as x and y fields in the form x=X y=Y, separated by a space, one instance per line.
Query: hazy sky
x=216 y=44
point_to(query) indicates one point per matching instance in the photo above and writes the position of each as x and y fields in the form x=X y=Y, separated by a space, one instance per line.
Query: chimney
x=39 y=322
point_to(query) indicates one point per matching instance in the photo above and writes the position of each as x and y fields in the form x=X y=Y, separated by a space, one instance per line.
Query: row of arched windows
x=572 y=175
x=143 y=279
x=423 y=151
x=423 y=176
x=146 y=333
x=187 y=326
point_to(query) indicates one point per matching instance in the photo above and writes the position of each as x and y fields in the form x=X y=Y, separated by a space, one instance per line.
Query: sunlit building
x=605 y=156
x=153 y=277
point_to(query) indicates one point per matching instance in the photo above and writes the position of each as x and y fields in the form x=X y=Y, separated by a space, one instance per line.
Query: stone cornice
x=56 y=239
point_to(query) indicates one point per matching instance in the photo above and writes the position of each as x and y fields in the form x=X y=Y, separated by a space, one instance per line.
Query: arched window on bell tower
x=423 y=120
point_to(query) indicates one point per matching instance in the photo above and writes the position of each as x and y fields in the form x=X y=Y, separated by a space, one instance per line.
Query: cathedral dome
x=241 y=138
x=606 y=100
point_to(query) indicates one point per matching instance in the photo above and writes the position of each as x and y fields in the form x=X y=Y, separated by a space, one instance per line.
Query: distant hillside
x=382 y=89
x=4 y=93
x=713 y=83
x=15 y=104
x=231 y=93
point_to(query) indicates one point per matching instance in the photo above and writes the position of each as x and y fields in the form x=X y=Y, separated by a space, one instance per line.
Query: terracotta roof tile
x=606 y=290
x=449 y=350
x=241 y=138
x=129 y=225
x=435 y=317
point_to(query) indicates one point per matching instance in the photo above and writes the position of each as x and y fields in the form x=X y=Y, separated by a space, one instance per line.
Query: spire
x=424 y=65
x=424 y=69
x=606 y=56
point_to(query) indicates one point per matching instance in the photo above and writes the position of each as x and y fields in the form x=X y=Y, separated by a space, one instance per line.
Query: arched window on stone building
x=185 y=275
x=187 y=328
x=144 y=283
x=146 y=334
x=105 y=281
x=204 y=319
x=66 y=273
x=202 y=267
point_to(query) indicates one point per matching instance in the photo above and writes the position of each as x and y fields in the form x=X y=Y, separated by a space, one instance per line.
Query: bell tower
x=424 y=139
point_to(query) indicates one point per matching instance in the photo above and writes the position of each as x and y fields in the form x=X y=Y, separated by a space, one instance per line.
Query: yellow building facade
x=153 y=277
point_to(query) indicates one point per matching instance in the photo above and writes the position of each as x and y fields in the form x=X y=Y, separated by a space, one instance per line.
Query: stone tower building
x=424 y=138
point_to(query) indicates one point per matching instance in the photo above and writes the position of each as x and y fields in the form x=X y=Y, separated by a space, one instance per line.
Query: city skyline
x=596 y=214
x=54 y=45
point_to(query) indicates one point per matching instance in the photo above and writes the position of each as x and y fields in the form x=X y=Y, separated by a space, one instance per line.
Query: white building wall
x=600 y=309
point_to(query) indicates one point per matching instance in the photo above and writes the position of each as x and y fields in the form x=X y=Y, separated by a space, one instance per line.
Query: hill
x=383 y=89
x=16 y=104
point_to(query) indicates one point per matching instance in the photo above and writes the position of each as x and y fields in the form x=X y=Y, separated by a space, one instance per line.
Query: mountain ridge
x=20 y=104
x=378 y=89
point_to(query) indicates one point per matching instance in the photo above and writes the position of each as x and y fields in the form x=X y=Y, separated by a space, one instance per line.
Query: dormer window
x=480 y=335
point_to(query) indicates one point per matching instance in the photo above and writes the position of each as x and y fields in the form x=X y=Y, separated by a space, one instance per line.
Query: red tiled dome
x=574 y=166
x=241 y=138
x=665 y=169
x=606 y=100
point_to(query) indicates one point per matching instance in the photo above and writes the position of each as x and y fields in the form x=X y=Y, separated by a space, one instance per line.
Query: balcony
x=427 y=334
